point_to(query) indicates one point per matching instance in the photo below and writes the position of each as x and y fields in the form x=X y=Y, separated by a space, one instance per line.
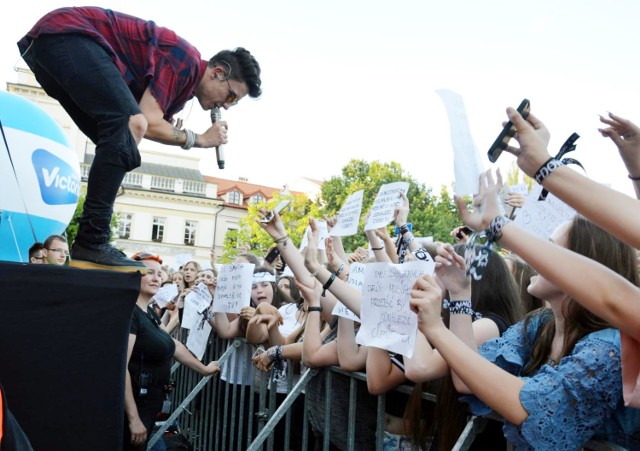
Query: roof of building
x=246 y=189
x=161 y=170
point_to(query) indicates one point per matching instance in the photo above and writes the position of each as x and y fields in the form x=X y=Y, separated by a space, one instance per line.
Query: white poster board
x=356 y=280
x=349 y=216
x=198 y=337
x=384 y=206
x=165 y=294
x=387 y=321
x=196 y=302
x=541 y=218
x=467 y=164
x=233 y=289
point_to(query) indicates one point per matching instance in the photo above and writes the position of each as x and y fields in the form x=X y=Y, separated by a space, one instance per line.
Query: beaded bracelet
x=494 y=231
x=547 y=168
x=461 y=307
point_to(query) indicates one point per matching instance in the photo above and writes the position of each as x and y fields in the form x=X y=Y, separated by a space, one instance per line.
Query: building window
x=235 y=197
x=257 y=199
x=157 y=233
x=190 y=232
x=124 y=225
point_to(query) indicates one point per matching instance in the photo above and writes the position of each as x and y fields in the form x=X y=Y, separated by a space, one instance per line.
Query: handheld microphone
x=216 y=116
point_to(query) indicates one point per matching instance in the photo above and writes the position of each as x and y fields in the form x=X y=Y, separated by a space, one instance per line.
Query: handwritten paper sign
x=233 y=290
x=387 y=321
x=384 y=206
x=541 y=218
x=467 y=165
x=166 y=294
x=356 y=280
x=198 y=337
x=349 y=216
x=196 y=302
x=324 y=232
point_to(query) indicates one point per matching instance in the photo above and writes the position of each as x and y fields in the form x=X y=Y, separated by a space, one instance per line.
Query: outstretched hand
x=311 y=251
x=626 y=136
x=486 y=205
x=274 y=226
x=401 y=212
x=452 y=271
x=533 y=137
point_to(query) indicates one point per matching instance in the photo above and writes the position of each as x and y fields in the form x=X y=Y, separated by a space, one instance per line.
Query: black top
x=152 y=354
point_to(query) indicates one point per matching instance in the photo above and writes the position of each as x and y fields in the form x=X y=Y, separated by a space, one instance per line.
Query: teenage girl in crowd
x=554 y=377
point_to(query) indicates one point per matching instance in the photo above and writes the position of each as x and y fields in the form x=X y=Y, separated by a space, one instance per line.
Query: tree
x=431 y=215
x=250 y=235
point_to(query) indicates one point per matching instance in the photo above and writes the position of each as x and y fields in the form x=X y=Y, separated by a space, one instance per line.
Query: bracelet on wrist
x=340 y=269
x=326 y=286
x=314 y=309
x=635 y=179
x=546 y=169
x=461 y=307
x=403 y=229
x=494 y=231
x=190 y=139
x=314 y=274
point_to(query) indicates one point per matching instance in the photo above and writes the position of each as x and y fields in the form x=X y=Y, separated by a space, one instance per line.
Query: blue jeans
x=80 y=74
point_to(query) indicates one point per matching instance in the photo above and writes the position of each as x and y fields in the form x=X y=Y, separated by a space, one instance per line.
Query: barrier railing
x=250 y=420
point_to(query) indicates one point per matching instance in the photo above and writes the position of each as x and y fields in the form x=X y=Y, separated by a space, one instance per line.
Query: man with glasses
x=55 y=250
x=122 y=79
x=36 y=253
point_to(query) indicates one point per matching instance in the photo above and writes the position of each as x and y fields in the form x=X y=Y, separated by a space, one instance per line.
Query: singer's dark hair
x=244 y=68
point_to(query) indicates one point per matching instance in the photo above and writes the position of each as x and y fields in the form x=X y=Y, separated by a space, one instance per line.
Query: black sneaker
x=103 y=256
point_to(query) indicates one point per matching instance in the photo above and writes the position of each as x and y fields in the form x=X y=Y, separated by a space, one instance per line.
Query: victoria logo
x=59 y=182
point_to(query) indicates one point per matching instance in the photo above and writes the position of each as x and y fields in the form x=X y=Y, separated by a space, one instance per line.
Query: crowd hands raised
x=535 y=340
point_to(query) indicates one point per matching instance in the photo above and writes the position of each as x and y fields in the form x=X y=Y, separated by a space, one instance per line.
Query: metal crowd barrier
x=251 y=421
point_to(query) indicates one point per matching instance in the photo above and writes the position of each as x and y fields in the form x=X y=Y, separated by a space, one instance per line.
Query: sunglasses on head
x=146 y=256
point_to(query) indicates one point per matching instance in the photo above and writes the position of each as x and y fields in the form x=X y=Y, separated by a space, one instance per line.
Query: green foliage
x=431 y=215
x=250 y=237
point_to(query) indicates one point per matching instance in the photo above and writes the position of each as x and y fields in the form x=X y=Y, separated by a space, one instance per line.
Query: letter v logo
x=49 y=177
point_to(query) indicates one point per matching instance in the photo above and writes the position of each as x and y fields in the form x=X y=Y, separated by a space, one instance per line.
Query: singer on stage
x=121 y=78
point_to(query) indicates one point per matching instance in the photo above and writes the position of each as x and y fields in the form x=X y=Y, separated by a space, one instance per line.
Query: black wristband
x=326 y=286
x=547 y=168
x=314 y=309
x=635 y=179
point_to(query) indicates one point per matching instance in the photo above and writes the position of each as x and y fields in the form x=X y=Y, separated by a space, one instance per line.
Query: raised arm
x=275 y=228
x=596 y=287
x=626 y=136
x=615 y=212
x=382 y=374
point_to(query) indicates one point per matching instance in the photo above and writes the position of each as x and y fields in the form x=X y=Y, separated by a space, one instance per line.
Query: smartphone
x=278 y=209
x=466 y=230
x=508 y=131
x=272 y=255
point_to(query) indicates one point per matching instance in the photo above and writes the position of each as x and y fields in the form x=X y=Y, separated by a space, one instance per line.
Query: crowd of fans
x=535 y=340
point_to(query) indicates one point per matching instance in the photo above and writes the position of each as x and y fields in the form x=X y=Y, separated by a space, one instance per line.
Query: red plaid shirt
x=146 y=55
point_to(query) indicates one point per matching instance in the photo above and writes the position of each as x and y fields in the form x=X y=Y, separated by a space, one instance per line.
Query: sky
x=355 y=79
